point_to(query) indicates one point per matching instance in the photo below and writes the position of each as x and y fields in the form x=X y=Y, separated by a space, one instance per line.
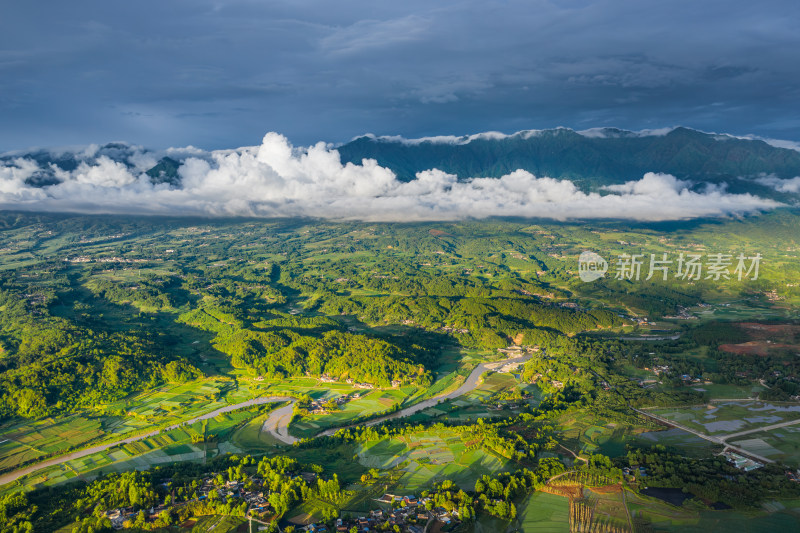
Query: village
x=407 y=514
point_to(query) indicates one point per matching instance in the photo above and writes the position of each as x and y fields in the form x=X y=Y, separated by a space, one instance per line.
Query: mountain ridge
x=592 y=159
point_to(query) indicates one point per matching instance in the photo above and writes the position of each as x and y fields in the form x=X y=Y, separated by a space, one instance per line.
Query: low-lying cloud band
x=275 y=179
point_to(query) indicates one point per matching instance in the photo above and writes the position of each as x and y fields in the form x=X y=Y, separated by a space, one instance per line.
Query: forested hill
x=595 y=157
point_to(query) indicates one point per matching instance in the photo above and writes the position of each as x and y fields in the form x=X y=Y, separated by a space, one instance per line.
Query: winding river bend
x=277 y=424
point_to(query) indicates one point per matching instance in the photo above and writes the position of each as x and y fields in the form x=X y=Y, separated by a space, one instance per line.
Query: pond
x=673 y=496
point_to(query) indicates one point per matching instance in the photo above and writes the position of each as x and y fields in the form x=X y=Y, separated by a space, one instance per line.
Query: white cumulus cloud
x=277 y=179
x=790 y=185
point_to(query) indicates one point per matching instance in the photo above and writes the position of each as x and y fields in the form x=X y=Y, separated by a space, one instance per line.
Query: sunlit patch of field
x=430 y=456
x=544 y=513
x=585 y=433
x=30 y=440
x=184 y=443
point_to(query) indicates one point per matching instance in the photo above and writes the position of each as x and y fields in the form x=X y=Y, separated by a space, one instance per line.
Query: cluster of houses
x=119 y=516
x=325 y=378
x=411 y=516
x=646 y=383
x=358 y=385
x=511 y=404
x=793 y=476
x=682 y=314
x=87 y=259
x=448 y=329
x=630 y=473
x=319 y=407
x=658 y=369
x=255 y=497
x=519 y=349
x=664 y=370
x=500 y=406
x=687 y=379
x=409 y=513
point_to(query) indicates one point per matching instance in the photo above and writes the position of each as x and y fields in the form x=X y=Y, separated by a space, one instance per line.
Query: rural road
x=277 y=424
x=722 y=439
x=757 y=430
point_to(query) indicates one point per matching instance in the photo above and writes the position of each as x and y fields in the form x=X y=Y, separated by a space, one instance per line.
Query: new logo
x=591 y=266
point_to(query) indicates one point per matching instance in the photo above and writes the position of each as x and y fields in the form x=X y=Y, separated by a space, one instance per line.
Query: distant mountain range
x=591 y=158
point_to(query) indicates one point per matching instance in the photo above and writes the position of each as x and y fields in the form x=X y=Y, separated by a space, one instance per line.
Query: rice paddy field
x=31 y=440
x=141 y=413
x=782 y=444
x=721 y=418
x=429 y=456
x=179 y=444
x=176 y=401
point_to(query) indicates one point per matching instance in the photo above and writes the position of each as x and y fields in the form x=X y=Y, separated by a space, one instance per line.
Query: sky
x=220 y=74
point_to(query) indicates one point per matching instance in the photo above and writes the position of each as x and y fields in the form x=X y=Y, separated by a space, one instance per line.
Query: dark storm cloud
x=220 y=74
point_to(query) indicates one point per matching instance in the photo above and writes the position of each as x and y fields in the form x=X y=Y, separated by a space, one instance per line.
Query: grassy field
x=544 y=513
x=371 y=403
x=486 y=524
x=585 y=433
x=427 y=457
x=251 y=437
x=218 y=524
x=689 y=444
x=609 y=507
x=661 y=516
x=738 y=310
x=725 y=391
x=341 y=460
